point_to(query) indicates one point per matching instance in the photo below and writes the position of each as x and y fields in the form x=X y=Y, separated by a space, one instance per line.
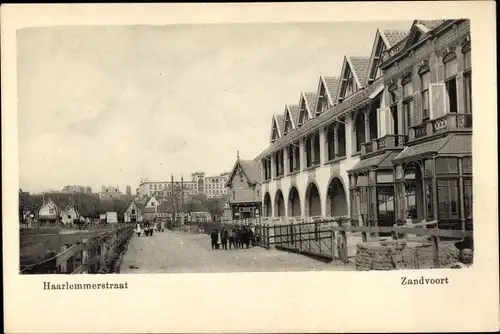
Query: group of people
x=237 y=237
x=148 y=228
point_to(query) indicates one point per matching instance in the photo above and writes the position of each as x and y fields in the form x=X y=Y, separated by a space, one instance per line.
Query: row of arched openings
x=336 y=201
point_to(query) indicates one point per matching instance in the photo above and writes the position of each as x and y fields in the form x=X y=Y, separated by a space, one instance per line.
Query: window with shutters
x=450 y=73
x=448 y=200
x=393 y=105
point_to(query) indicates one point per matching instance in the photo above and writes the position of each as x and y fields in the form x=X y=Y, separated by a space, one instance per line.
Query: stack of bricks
x=380 y=255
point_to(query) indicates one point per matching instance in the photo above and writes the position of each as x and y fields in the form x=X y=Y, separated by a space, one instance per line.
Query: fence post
x=64 y=266
x=300 y=237
x=345 y=254
x=435 y=248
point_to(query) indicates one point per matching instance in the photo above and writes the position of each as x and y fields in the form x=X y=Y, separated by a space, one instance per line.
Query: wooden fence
x=329 y=239
x=93 y=256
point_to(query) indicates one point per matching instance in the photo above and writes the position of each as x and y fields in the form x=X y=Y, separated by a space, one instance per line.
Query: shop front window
x=429 y=199
x=448 y=200
x=385 y=203
x=468 y=198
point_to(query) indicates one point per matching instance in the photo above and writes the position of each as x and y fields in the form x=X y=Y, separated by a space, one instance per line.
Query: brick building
x=387 y=139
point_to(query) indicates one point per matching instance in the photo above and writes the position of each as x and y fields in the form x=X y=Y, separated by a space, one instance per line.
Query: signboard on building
x=111 y=217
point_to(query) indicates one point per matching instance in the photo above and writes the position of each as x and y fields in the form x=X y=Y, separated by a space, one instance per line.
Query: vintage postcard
x=250 y=167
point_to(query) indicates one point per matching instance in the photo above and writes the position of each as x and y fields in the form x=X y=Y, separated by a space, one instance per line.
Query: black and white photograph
x=209 y=148
x=249 y=167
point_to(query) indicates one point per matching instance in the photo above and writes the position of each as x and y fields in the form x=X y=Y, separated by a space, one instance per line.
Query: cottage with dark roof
x=337 y=149
x=244 y=189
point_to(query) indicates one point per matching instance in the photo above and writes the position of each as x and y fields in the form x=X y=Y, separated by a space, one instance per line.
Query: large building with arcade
x=388 y=138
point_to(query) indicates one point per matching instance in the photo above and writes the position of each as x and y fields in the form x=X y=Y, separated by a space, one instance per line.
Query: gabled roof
x=251 y=169
x=275 y=125
x=358 y=98
x=148 y=210
x=310 y=99
x=421 y=27
x=359 y=68
x=393 y=37
x=293 y=111
x=280 y=121
x=332 y=87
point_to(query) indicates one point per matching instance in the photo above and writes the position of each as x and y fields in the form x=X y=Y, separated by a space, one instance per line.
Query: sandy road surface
x=180 y=252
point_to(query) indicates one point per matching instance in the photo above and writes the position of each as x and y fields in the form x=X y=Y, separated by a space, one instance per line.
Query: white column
x=302 y=153
x=349 y=129
x=322 y=145
x=286 y=163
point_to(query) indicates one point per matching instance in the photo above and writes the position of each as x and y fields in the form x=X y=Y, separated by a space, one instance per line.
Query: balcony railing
x=389 y=141
x=448 y=122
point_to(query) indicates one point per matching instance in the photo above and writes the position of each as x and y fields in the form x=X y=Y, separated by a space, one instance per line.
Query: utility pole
x=173 y=198
x=182 y=200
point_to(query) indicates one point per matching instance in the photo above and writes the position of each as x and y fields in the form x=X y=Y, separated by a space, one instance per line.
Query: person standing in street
x=224 y=236
x=138 y=229
x=232 y=237
x=213 y=237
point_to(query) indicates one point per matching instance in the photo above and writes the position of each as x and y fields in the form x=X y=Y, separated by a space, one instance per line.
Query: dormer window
x=348 y=83
x=323 y=103
x=375 y=71
x=274 y=131
x=288 y=122
x=303 y=113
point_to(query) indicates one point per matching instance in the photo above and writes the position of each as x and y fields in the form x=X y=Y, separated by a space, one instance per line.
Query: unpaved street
x=181 y=252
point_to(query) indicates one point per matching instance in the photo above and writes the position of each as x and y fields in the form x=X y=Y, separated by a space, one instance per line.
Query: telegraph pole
x=173 y=198
x=182 y=200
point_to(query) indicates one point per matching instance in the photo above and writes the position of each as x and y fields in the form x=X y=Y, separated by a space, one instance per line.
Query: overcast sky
x=110 y=105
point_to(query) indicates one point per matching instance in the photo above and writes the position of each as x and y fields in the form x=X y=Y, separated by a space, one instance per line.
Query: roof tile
x=394 y=36
x=294 y=112
x=360 y=68
x=280 y=120
x=311 y=101
x=252 y=170
x=332 y=86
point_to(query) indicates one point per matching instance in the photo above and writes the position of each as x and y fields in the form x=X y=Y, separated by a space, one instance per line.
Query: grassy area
x=34 y=243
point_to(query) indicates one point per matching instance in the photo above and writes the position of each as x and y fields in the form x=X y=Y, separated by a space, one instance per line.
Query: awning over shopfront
x=383 y=161
x=451 y=144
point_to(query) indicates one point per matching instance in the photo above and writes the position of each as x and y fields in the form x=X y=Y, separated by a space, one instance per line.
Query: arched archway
x=268 y=210
x=313 y=201
x=336 y=200
x=294 y=209
x=279 y=204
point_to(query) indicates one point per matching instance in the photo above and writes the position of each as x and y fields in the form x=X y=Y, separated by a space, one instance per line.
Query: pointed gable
x=327 y=93
x=359 y=66
x=289 y=118
x=304 y=114
x=247 y=170
x=307 y=107
x=275 y=129
x=353 y=75
x=419 y=29
x=392 y=37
